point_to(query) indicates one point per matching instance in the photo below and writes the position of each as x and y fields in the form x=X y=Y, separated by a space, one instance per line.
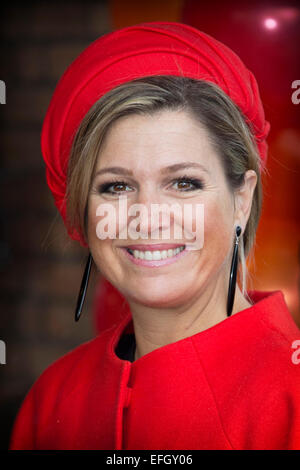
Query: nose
x=151 y=215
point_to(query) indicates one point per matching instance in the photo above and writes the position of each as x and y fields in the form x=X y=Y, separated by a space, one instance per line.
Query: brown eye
x=183 y=185
x=117 y=186
x=188 y=184
x=113 y=187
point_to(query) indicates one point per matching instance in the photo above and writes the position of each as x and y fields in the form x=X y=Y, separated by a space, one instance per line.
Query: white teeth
x=148 y=255
x=157 y=255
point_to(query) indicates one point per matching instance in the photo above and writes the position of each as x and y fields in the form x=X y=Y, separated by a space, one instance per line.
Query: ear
x=243 y=198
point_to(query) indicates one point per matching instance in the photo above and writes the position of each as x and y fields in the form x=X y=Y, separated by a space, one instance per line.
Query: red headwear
x=156 y=48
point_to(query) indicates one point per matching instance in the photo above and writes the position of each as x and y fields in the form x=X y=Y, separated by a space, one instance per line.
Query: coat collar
x=268 y=307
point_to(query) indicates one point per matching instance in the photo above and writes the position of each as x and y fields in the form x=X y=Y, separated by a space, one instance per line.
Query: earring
x=83 y=287
x=233 y=272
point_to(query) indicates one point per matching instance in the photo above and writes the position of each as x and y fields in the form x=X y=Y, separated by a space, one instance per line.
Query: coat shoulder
x=59 y=386
x=77 y=361
x=252 y=365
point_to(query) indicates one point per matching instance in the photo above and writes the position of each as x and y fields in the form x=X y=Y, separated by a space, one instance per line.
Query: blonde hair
x=206 y=102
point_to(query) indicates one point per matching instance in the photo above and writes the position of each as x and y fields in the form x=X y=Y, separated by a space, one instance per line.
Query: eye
x=105 y=188
x=185 y=183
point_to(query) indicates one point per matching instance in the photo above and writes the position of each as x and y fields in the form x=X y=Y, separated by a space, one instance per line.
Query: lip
x=154 y=263
x=155 y=247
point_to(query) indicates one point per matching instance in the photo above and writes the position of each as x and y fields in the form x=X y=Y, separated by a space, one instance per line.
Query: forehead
x=164 y=138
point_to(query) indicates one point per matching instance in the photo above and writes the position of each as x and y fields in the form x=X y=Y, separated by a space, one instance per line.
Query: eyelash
x=104 y=188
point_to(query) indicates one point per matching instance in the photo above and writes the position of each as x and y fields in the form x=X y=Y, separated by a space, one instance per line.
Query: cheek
x=92 y=222
x=98 y=247
x=103 y=219
x=218 y=229
x=102 y=250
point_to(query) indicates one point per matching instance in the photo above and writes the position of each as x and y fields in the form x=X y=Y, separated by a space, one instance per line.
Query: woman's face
x=143 y=146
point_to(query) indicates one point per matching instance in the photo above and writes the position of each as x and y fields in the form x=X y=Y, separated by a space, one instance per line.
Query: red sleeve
x=294 y=411
x=23 y=433
x=37 y=414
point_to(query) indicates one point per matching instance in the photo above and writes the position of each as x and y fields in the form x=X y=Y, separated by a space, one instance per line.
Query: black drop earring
x=233 y=271
x=83 y=287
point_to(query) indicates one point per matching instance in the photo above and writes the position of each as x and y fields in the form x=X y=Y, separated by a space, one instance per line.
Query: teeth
x=156 y=255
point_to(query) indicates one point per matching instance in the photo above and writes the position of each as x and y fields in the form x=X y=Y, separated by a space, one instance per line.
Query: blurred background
x=41 y=269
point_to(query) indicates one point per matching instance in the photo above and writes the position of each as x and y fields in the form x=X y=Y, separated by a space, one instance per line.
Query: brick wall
x=41 y=268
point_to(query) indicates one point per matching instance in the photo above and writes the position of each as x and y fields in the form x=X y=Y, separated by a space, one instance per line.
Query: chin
x=156 y=298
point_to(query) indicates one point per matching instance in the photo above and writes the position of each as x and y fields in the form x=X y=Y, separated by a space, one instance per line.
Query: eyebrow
x=118 y=170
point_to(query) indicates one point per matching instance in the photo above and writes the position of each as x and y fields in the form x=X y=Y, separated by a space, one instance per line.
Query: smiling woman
x=161 y=114
x=204 y=105
x=181 y=117
x=146 y=145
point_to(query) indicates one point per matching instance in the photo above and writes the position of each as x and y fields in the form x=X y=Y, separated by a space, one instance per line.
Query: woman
x=161 y=113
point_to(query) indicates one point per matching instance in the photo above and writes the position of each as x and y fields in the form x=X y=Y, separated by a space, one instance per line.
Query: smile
x=154 y=258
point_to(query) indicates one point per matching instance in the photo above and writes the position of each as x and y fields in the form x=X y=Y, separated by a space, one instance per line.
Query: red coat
x=235 y=385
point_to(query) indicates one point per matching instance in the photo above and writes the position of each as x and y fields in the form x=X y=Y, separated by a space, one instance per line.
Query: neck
x=155 y=328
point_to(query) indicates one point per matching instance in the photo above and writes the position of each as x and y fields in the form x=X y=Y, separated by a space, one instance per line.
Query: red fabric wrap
x=156 y=48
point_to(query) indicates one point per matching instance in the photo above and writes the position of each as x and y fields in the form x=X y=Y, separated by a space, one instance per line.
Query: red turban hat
x=156 y=48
